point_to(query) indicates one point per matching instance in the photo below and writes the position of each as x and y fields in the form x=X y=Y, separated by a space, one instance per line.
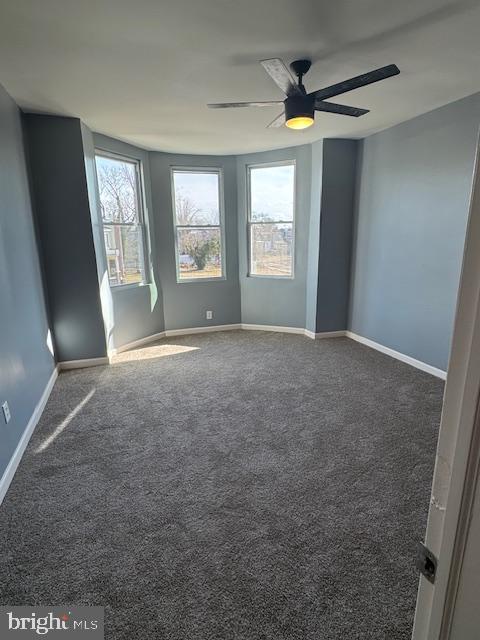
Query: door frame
x=458 y=449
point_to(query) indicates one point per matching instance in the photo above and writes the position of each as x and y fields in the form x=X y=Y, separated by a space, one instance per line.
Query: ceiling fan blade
x=341 y=109
x=277 y=122
x=357 y=82
x=282 y=77
x=229 y=105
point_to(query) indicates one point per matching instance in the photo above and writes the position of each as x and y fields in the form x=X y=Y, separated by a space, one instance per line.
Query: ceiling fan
x=299 y=105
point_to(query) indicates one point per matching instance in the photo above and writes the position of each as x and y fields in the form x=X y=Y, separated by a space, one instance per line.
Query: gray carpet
x=259 y=486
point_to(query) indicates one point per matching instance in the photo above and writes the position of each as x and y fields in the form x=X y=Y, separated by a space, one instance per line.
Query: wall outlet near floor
x=209 y=315
x=6 y=412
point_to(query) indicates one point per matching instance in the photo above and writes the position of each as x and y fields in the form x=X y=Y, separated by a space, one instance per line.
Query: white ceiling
x=143 y=70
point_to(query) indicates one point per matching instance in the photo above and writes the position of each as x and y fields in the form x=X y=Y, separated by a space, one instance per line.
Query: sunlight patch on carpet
x=62 y=426
x=147 y=353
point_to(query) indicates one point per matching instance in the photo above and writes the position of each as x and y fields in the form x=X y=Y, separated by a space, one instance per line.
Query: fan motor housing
x=300 y=67
x=297 y=106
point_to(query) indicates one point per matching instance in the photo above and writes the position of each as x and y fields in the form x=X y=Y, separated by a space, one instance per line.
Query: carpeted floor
x=229 y=486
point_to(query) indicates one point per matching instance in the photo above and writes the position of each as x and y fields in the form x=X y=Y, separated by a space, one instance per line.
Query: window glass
x=271 y=249
x=122 y=217
x=271 y=220
x=198 y=224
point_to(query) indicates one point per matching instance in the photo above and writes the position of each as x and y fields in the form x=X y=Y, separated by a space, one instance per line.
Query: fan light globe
x=299 y=122
x=299 y=112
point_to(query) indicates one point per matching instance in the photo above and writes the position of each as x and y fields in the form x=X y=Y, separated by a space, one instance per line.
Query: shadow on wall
x=129 y=312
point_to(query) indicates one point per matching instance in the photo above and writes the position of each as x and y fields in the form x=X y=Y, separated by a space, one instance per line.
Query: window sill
x=199 y=280
x=132 y=285
x=269 y=277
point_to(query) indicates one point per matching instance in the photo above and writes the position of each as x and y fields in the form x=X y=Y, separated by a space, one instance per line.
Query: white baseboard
x=168 y=333
x=82 y=364
x=27 y=434
x=297 y=330
x=271 y=327
x=186 y=332
x=327 y=334
x=137 y=343
x=418 y=364
x=219 y=327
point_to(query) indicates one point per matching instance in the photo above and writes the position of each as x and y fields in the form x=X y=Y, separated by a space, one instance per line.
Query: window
x=198 y=219
x=119 y=185
x=271 y=205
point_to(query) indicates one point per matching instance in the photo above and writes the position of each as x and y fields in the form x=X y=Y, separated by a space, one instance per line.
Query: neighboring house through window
x=121 y=202
x=271 y=214
x=198 y=220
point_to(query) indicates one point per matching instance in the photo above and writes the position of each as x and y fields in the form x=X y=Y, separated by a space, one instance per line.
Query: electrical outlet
x=209 y=315
x=6 y=412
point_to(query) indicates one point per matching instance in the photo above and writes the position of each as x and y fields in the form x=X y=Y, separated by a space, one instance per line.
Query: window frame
x=250 y=222
x=221 y=222
x=142 y=216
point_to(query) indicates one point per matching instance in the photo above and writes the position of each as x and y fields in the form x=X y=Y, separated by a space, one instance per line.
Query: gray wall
x=413 y=199
x=186 y=303
x=313 y=243
x=26 y=363
x=276 y=301
x=336 y=227
x=62 y=209
x=137 y=310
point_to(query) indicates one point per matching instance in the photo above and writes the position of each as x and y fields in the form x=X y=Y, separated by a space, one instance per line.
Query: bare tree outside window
x=271 y=193
x=198 y=231
x=122 y=217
